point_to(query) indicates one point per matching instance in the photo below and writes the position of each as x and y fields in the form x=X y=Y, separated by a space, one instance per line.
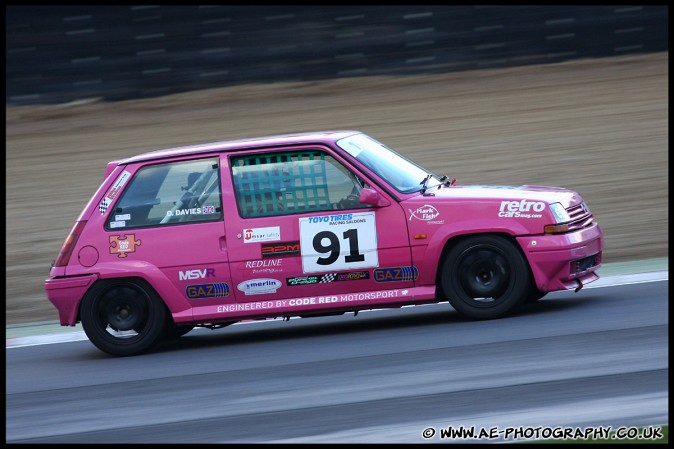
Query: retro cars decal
x=521 y=209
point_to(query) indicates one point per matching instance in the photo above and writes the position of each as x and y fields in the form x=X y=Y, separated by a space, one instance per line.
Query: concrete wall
x=65 y=53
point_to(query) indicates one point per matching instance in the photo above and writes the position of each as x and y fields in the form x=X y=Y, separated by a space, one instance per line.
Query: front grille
x=580 y=217
x=578 y=211
x=584 y=264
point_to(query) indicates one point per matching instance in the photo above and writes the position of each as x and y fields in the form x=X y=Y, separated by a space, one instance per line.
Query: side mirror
x=373 y=198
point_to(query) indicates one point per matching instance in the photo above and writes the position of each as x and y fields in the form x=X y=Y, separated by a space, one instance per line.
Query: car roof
x=240 y=144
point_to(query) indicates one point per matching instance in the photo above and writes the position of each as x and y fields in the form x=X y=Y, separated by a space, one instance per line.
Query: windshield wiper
x=424 y=183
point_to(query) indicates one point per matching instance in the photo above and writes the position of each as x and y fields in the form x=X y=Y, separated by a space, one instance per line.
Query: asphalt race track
x=594 y=358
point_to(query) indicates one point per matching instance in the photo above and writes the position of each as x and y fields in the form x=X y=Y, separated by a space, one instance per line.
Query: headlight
x=561 y=216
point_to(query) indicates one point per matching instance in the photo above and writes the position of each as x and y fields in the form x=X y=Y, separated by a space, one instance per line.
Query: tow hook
x=580 y=285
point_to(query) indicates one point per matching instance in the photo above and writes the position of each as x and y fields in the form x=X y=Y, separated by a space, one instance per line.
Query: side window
x=166 y=194
x=292 y=182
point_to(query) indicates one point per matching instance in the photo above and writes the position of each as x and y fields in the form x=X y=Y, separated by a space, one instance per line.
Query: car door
x=167 y=227
x=299 y=231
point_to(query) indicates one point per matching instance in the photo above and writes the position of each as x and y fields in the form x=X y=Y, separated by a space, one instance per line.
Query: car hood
x=547 y=194
x=518 y=210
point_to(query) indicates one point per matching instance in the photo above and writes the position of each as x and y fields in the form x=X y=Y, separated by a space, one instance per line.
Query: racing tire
x=485 y=277
x=534 y=295
x=176 y=331
x=123 y=317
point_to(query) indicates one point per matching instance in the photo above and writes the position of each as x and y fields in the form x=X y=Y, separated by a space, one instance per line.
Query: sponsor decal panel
x=313 y=300
x=353 y=276
x=338 y=242
x=112 y=193
x=521 y=209
x=281 y=249
x=269 y=234
x=123 y=244
x=263 y=263
x=396 y=274
x=196 y=274
x=259 y=286
x=426 y=213
x=264 y=266
x=328 y=277
x=205 y=291
x=206 y=210
x=302 y=280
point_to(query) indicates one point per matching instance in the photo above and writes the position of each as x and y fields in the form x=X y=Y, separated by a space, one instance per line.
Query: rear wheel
x=123 y=316
x=485 y=277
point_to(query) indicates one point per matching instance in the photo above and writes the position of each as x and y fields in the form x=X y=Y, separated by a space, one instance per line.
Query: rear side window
x=271 y=184
x=167 y=194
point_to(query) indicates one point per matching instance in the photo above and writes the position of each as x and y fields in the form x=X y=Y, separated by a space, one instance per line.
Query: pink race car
x=305 y=225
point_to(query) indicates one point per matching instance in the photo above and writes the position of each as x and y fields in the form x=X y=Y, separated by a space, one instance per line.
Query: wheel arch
x=454 y=240
x=142 y=280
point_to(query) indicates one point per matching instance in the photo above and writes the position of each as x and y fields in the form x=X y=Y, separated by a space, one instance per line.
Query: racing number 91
x=333 y=248
x=348 y=242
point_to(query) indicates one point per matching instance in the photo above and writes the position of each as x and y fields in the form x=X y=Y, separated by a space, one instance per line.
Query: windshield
x=401 y=173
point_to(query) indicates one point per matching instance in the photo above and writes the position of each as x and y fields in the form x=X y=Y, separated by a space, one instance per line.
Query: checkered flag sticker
x=104 y=205
x=327 y=278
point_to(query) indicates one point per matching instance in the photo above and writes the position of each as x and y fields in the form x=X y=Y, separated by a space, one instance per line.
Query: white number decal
x=338 y=242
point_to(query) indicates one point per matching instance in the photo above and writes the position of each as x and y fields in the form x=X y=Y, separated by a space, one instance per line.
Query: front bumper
x=564 y=261
x=66 y=293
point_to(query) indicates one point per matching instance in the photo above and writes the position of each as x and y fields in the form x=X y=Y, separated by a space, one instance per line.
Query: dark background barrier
x=66 y=53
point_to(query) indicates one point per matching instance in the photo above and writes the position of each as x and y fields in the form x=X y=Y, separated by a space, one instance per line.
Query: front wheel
x=177 y=331
x=485 y=277
x=123 y=316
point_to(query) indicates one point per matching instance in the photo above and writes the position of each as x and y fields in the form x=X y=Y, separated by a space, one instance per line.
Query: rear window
x=169 y=194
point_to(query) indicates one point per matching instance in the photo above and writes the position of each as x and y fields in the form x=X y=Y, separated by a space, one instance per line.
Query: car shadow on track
x=439 y=315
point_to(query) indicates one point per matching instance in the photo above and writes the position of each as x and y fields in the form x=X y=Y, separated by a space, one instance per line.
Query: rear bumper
x=66 y=294
x=564 y=261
